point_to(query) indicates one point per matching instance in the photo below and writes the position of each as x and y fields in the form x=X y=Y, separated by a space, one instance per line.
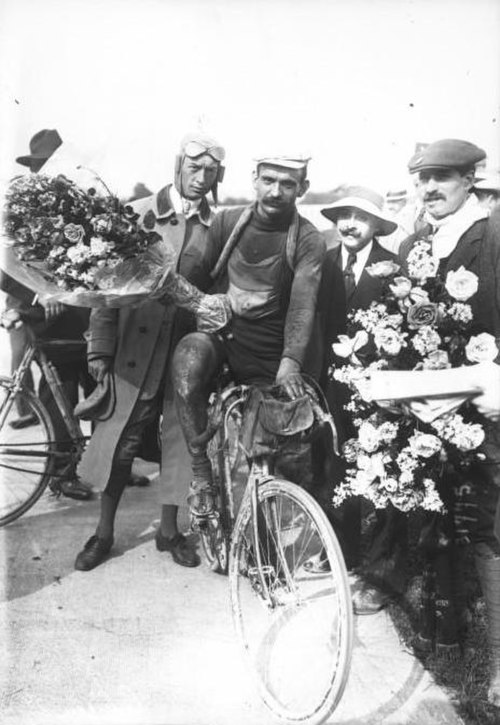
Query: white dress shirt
x=361 y=260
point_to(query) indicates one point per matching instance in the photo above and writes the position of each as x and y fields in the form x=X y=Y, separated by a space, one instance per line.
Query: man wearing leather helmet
x=136 y=343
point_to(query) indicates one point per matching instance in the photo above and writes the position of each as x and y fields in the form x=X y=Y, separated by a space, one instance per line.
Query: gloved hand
x=289 y=377
x=99 y=366
x=213 y=313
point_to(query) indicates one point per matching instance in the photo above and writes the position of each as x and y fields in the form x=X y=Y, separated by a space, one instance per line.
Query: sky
x=352 y=83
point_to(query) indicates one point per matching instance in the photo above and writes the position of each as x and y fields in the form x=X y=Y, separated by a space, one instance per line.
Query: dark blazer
x=478 y=250
x=332 y=305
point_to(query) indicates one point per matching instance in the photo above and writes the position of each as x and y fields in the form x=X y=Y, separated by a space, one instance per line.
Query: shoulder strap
x=291 y=240
x=231 y=242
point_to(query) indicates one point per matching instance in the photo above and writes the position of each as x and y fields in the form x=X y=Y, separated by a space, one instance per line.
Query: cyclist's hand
x=11 y=319
x=98 y=367
x=289 y=377
x=52 y=308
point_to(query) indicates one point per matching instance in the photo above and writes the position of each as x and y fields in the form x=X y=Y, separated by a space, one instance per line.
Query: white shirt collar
x=361 y=259
x=186 y=207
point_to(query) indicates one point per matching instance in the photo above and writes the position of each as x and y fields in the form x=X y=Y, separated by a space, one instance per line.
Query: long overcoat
x=131 y=335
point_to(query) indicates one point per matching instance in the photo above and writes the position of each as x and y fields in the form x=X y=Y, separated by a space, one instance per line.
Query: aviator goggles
x=197 y=148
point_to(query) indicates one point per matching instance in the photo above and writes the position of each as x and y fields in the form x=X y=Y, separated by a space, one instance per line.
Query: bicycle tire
x=26 y=463
x=298 y=684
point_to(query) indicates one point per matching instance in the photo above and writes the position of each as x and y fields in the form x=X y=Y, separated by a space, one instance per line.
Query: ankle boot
x=488 y=569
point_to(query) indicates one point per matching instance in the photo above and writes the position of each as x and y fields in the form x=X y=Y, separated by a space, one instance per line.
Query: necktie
x=349 y=279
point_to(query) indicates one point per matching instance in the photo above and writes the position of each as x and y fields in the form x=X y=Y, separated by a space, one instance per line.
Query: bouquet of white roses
x=421 y=324
x=88 y=249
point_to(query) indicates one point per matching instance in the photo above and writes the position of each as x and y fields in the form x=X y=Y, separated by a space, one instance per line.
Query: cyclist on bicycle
x=270 y=267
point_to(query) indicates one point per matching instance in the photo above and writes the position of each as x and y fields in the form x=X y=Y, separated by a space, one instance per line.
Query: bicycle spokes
x=296 y=627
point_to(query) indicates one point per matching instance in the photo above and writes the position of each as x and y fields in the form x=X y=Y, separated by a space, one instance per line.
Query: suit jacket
x=478 y=250
x=332 y=304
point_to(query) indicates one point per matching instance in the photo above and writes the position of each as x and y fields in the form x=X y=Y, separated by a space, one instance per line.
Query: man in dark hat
x=42 y=146
x=462 y=235
x=345 y=287
x=136 y=345
x=53 y=321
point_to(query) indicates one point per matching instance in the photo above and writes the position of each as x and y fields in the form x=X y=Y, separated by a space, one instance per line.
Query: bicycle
x=295 y=627
x=30 y=456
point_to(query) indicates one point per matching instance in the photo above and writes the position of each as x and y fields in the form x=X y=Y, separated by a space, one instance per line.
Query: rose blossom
x=400 y=287
x=436 y=360
x=481 y=348
x=383 y=269
x=469 y=437
x=424 y=445
x=74 y=233
x=389 y=340
x=461 y=284
x=423 y=268
x=424 y=313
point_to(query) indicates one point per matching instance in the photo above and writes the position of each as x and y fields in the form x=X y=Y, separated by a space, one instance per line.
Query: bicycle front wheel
x=26 y=459
x=296 y=627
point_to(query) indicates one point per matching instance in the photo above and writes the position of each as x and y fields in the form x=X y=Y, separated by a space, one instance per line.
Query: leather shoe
x=368 y=600
x=178 y=546
x=71 y=488
x=93 y=553
x=24 y=421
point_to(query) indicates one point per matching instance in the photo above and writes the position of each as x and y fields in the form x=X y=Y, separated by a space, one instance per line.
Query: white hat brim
x=387 y=225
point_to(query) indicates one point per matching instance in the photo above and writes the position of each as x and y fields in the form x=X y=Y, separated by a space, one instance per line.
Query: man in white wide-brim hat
x=346 y=285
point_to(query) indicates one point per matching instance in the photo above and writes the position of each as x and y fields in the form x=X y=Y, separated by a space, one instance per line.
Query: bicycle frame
x=35 y=353
x=259 y=474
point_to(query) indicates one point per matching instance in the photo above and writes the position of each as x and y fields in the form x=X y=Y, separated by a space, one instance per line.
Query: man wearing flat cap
x=136 y=344
x=269 y=262
x=346 y=286
x=462 y=235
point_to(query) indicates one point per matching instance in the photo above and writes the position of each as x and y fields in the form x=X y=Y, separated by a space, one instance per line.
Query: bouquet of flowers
x=87 y=249
x=425 y=325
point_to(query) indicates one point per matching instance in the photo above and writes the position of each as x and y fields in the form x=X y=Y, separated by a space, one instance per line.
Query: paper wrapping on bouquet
x=428 y=394
x=127 y=283
x=149 y=275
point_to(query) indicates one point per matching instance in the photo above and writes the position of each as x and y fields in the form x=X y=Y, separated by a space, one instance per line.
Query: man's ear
x=304 y=187
x=469 y=178
x=255 y=176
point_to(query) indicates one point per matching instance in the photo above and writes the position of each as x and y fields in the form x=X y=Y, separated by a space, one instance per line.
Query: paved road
x=142 y=641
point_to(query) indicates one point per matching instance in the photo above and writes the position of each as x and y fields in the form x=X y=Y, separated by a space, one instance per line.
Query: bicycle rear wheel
x=296 y=627
x=26 y=459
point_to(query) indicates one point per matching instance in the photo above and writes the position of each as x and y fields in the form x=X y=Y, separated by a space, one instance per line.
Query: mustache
x=433 y=197
x=349 y=231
